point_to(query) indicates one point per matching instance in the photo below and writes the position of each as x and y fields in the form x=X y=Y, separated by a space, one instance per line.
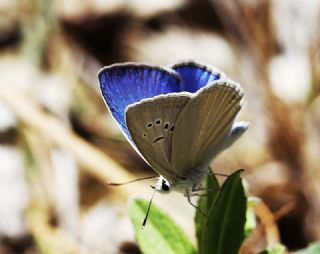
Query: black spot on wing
x=157 y=139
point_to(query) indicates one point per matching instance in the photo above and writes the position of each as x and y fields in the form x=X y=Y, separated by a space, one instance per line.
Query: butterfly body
x=177 y=119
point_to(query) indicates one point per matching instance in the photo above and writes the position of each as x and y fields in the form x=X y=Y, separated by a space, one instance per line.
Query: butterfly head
x=162 y=185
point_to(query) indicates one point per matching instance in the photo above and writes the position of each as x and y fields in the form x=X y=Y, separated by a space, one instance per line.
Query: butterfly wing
x=196 y=75
x=204 y=124
x=151 y=124
x=236 y=132
x=125 y=84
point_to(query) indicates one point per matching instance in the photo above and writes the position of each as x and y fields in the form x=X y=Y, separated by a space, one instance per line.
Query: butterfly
x=178 y=118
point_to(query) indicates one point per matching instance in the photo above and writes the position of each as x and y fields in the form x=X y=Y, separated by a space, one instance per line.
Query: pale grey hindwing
x=204 y=124
x=151 y=123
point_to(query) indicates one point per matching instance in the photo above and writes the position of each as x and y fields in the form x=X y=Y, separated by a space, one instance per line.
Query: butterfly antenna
x=220 y=174
x=132 y=181
x=148 y=210
x=217 y=173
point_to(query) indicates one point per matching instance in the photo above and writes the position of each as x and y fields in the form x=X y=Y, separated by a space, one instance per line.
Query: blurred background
x=59 y=146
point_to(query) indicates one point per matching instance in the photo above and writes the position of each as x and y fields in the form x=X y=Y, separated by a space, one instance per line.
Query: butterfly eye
x=149 y=125
x=165 y=186
x=158 y=121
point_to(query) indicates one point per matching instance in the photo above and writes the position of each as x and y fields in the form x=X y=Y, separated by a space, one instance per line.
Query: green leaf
x=204 y=204
x=311 y=249
x=161 y=234
x=224 y=232
x=251 y=221
x=275 y=250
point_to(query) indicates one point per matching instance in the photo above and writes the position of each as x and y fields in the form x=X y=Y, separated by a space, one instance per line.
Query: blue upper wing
x=196 y=75
x=125 y=84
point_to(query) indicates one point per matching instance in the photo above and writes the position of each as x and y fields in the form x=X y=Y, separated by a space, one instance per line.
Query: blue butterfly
x=178 y=118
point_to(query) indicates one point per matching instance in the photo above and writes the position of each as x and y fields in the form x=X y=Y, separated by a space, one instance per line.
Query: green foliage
x=251 y=220
x=161 y=234
x=204 y=204
x=222 y=231
x=311 y=249
x=275 y=250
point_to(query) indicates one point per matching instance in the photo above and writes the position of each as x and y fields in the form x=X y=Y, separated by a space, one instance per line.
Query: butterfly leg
x=199 y=195
x=203 y=189
x=197 y=192
x=198 y=188
x=217 y=174
x=188 y=195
